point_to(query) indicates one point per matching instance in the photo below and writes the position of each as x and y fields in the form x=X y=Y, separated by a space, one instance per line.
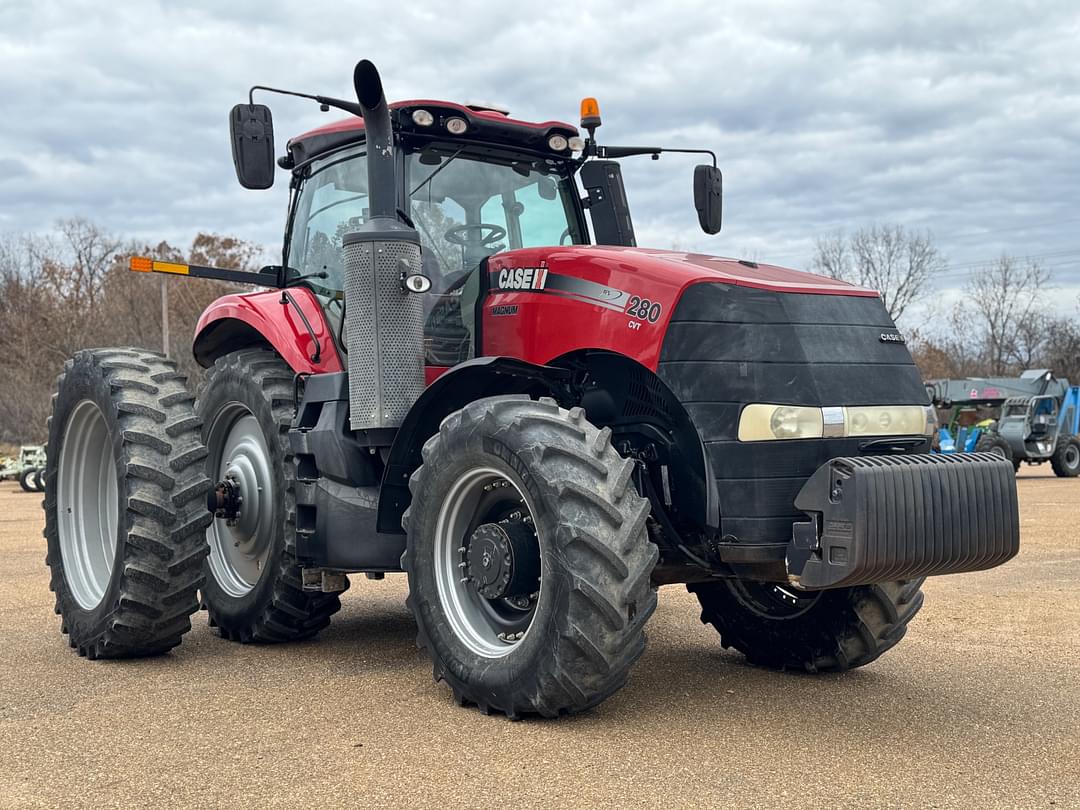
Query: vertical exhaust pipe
x=384 y=321
x=381 y=158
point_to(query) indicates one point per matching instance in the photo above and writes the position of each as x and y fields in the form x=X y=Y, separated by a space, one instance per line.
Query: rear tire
x=992 y=443
x=1066 y=458
x=823 y=631
x=579 y=633
x=38 y=479
x=253 y=590
x=125 y=510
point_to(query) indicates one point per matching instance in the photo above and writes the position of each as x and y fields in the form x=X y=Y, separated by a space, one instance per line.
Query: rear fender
x=246 y=319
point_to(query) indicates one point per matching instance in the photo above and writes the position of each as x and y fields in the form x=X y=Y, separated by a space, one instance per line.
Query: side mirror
x=251 y=128
x=709 y=197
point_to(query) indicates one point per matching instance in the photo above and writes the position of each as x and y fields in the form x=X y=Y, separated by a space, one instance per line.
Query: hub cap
x=1072 y=456
x=240 y=538
x=87 y=505
x=487 y=562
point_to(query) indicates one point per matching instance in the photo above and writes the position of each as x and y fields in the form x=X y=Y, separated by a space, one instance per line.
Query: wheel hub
x=502 y=560
x=242 y=500
x=225 y=500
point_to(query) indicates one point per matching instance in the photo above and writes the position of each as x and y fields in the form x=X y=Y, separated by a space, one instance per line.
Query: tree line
x=1004 y=320
x=71 y=289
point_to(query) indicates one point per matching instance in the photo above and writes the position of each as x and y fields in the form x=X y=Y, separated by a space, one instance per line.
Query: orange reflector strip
x=170 y=267
x=143 y=264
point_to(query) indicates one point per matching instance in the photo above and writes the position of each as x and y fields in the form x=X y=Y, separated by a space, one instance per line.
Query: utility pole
x=165 y=315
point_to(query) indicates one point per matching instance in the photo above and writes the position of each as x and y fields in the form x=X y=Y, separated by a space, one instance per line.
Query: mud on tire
x=125 y=510
x=594 y=592
x=274 y=607
x=826 y=631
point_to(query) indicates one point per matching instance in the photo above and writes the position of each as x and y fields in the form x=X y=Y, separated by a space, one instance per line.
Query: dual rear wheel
x=528 y=556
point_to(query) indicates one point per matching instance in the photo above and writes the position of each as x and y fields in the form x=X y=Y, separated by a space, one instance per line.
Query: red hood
x=680 y=269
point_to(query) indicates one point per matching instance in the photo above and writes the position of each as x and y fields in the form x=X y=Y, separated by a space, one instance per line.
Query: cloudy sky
x=960 y=118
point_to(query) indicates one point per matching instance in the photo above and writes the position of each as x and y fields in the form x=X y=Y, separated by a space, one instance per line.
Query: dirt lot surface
x=978 y=707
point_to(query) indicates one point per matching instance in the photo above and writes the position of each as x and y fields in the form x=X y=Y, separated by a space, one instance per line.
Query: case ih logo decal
x=538 y=279
x=892 y=337
x=522 y=278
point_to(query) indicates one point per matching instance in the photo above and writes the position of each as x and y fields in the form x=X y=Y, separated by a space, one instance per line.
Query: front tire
x=1066 y=459
x=26 y=479
x=992 y=443
x=125 y=510
x=528 y=559
x=824 y=631
x=253 y=590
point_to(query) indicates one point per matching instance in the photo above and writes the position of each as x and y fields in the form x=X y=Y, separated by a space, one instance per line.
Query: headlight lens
x=456 y=126
x=422 y=118
x=557 y=143
x=896 y=420
x=761 y=422
x=764 y=422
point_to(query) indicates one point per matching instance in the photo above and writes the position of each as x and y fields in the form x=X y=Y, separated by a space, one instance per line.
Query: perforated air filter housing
x=384 y=326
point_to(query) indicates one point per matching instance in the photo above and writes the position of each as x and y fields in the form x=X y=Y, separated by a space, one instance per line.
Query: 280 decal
x=644 y=309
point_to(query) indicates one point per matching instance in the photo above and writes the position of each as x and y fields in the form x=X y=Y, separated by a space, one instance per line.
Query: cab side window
x=333 y=201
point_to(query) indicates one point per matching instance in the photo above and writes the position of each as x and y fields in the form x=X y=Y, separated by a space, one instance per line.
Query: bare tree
x=71 y=289
x=896 y=262
x=1004 y=304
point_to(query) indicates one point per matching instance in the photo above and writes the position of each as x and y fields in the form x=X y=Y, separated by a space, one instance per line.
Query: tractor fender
x=462 y=384
x=247 y=319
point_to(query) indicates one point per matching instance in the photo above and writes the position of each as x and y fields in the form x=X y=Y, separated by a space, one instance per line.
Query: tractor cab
x=1030 y=425
x=468 y=202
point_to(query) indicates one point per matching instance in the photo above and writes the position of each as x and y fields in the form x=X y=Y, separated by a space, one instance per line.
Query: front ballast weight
x=889 y=518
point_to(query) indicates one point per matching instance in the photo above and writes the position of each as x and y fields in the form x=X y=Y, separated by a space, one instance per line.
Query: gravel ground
x=978 y=707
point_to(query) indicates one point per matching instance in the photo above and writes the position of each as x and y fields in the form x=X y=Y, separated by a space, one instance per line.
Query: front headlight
x=897 y=420
x=764 y=422
x=760 y=422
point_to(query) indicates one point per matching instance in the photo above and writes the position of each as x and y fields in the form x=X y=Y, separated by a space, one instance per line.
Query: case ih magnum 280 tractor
x=453 y=379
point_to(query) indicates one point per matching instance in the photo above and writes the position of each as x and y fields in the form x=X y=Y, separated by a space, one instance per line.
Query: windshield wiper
x=431 y=176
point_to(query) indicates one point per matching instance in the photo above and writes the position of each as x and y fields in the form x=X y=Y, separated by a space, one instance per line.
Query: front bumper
x=886 y=518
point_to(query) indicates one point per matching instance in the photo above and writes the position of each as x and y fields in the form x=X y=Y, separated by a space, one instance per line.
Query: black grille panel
x=727 y=346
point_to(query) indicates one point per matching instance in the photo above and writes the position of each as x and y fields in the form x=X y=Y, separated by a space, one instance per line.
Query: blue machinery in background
x=1036 y=418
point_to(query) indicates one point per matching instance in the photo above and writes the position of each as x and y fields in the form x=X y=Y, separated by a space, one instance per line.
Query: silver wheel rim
x=998 y=451
x=1072 y=456
x=239 y=548
x=474 y=619
x=87 y=505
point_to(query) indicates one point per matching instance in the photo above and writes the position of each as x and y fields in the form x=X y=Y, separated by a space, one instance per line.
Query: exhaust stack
x=384 y=321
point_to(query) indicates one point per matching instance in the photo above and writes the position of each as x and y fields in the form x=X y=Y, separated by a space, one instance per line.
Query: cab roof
x=484 y=125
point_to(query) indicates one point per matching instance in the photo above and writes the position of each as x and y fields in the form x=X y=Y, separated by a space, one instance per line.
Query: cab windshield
x=468 y=207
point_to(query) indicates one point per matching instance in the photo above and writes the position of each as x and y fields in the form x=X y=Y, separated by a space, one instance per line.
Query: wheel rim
x=1072 y=456
x=998 y=451
x=489 y=627
x=774 y=601
x=87 y=505
x=240 y=547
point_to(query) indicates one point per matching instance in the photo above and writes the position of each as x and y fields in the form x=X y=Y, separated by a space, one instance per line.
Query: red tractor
x=460 y=375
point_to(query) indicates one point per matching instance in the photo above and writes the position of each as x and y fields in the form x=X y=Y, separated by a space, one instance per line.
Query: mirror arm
x=655 y=151
x=325 y=101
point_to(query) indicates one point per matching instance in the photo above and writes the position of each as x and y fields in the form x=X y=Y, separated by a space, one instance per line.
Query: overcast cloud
x=963 y=118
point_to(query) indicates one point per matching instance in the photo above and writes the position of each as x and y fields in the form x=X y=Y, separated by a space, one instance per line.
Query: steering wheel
x=563 y=236
x=489 y=234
